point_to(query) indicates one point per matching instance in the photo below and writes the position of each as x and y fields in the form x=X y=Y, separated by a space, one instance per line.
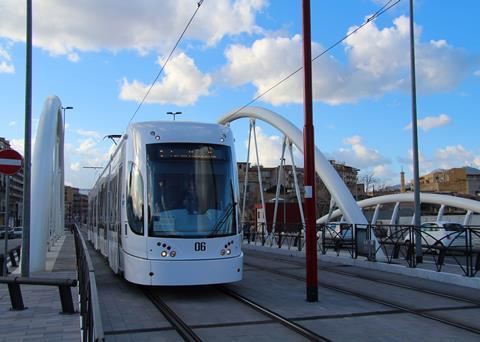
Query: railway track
x=187 y=333
x=182 y=328
x=370 y=298
x=308 y=334
x=382 y=281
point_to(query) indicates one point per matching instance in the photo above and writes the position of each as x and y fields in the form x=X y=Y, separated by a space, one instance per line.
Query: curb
x=443 y=277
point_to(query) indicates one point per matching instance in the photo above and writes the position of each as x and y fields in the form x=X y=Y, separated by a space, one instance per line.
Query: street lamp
x=64 y=117
x=174 y=114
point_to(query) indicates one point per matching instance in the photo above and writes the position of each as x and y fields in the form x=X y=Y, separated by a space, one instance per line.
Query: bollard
x=2 y=260
x=12 y=258
x=16 y=297
x=396 y=251
x=66 y=299
x=263 y=234
x=369 y=246
x=409 y=247
x=300 y=241
x=441 y=257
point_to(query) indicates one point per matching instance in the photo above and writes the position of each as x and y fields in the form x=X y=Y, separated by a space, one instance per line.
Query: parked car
x=17 y=232
x=441 y=234
x=2 y=232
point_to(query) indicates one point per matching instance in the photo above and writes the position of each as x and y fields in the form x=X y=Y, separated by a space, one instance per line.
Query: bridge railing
x=92 y=328
x=283 y=235
x=458 y=250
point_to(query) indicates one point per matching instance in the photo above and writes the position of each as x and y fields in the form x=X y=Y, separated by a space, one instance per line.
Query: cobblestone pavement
x=42 y=320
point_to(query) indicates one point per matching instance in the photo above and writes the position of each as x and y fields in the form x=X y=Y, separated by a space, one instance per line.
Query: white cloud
x=12 y=123
x=6 y=67
x=270 y=59
x=182 y=84
x=66 y=28
x=377 y=62
x=86 y=146
x=382 y=171
x=90 y=134
x=477 y=73
x=430 y=122
x=75 y=166
x=270 y=150
x=444 y=158
x=73 y=57
x=358 y=155
x=453 y=156
x=19 y=145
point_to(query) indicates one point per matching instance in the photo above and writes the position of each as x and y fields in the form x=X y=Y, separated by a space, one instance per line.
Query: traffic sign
x=10 y=162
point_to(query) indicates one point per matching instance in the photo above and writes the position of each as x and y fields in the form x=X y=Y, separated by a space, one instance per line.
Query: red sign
x=10 y=162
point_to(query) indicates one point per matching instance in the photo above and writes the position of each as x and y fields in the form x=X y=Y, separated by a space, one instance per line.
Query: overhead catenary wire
x=388 y=5
x=199 y=3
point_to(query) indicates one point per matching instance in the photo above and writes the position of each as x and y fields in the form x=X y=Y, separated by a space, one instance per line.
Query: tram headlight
x=229 y=251
x=173 y=253
x=164 y=253
x=222 y=252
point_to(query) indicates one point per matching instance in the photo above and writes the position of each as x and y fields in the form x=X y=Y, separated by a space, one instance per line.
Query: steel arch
x=325 y=170
x=47 y=203
x=446 y=200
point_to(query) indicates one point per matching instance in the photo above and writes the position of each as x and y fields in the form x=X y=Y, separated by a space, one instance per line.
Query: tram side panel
x=136 y=264
x=115 y=187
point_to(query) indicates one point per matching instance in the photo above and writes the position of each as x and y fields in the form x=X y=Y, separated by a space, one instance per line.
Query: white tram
x=164 y=210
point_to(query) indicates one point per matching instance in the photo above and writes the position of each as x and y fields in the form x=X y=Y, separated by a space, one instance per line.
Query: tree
x=369 y=180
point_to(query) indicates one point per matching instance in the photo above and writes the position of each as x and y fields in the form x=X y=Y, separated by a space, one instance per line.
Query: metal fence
x=458 y=249
x=92 y=328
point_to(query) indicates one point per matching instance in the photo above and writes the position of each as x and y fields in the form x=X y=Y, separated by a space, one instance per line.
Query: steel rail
x=382 y=281
x=310 y=335
x=183 y=329
x=372 y=299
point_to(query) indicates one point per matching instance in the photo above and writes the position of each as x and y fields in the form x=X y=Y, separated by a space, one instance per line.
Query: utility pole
x=309 y=160
x=416 y=176
x=27 y=154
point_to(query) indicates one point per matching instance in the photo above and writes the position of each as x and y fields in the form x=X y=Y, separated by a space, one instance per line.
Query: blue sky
x=100 y=57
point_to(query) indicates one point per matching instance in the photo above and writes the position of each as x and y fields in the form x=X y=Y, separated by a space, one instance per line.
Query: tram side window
x=95 y=211
x=135 y=199
x=112 y=203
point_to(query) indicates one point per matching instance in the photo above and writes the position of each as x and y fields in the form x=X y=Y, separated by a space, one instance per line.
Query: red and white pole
x=309 y=161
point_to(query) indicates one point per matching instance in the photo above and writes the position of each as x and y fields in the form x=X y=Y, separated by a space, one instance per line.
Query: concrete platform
x=362 y=310
x=42 y=320
x=450 y=273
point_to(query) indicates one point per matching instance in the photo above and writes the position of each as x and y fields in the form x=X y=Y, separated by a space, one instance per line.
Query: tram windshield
x=190 y=190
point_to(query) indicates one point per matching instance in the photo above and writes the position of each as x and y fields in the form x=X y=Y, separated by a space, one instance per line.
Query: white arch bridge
x=47 y=204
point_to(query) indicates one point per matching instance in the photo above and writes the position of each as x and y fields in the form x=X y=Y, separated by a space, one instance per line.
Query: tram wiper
x=223 y=219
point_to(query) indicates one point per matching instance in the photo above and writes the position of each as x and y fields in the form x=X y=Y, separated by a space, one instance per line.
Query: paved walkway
x=451 y=271
x=42 y=320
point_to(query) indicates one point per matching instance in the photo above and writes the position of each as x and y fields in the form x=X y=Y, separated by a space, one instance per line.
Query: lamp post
x=416 y=177
x=64 y=117
x=174 y=114
x=25 y=258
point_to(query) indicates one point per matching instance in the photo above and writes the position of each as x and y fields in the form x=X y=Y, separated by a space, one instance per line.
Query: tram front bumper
x=184 y=272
